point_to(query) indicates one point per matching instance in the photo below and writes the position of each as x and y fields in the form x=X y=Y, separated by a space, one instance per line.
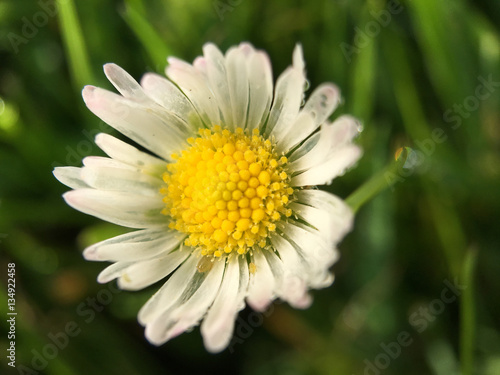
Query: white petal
x=289 y=286
x=260 y=82
x=171 y=291
x=115 y=179
x=113 y=271
x=217 y=327
x=190 y=311
x=173 y=100
x=194 y=85
x=218 y=81
x=181 y=125
x=298 y=271
x=142 y=274
x=135 y=121
x=344 y=129
x=125 y=209
x=304 y=150
x=314 y=249
x=125 y=83
x=261 y=285
x=312 y=243
x=320 y=105
x=322 y=102
x=317 y=217
x=237 y=77
x=318 y=147
x=330 y=137
x=300 y=249
x=326 y=154
x=244 y=280
x=70 y=176
x=286 y=104
x=200 y=64
x=128 y=154
x=287 y=97
x=298 y=58
x=103 y=162
x=292 y=260
x=133 y=246
x=328 y=213
x=336 y=164
x=303 y=124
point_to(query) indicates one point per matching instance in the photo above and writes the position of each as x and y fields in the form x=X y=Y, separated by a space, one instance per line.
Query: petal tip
x=100 y=138
x=88 y=94
x=108 y=66
x=57 y=171
x=259 y=305
x=90 y=253
x=69 y=197
x=298 y=57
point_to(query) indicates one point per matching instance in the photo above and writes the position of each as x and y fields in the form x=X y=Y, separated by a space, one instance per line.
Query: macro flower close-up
x=249 y=187
x=225 y=201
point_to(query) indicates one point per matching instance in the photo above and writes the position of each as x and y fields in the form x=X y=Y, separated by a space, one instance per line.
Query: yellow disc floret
x=226 y=191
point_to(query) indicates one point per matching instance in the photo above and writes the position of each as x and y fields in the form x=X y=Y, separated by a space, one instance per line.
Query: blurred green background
x=421 y=73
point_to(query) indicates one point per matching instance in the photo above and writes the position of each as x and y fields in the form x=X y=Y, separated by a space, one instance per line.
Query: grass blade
x=80 y=69
x=467 y=312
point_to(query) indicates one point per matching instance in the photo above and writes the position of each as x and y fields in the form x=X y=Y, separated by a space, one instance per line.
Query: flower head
x=225 y=201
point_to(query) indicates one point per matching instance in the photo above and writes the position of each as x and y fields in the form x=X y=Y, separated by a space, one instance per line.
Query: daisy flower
x=224 y=200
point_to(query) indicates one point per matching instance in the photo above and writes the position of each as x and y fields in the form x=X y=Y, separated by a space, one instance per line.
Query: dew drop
x=359 y=127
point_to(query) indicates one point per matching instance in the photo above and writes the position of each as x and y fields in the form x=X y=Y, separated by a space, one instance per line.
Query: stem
x=381 y=181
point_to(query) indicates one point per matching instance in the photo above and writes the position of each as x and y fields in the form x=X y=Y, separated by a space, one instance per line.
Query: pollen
x=227 y=191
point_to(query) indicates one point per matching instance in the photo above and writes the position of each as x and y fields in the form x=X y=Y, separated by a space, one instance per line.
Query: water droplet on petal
x=360 y=127
x=307 y=84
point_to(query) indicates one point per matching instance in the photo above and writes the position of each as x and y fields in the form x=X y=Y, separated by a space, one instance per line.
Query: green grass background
x=413 y=78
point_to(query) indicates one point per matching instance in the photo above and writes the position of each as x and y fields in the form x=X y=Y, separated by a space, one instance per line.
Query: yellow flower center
x=227 y=191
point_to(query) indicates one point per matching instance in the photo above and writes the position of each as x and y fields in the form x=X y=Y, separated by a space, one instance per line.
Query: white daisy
x=224 y=203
